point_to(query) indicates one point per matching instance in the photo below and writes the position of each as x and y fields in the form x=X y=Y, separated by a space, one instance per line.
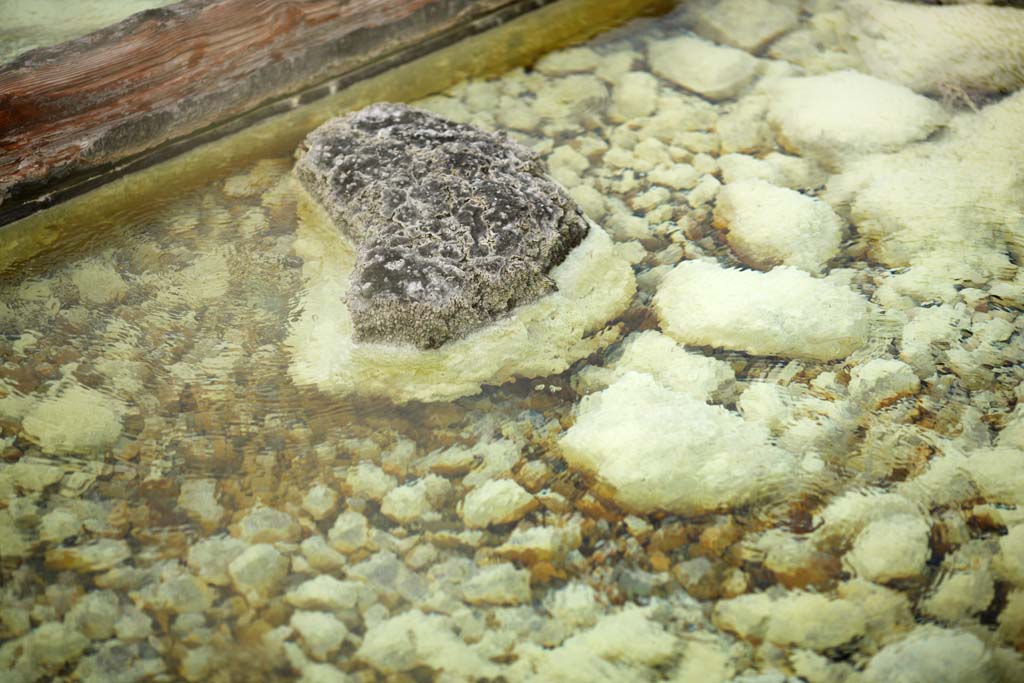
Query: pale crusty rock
x=540 y=543
x=133 y=625
x=99 y=555
x=746 y=24
x=767 y=226
x=634 y=95
x=177 y=590
x=320 y=501
x=416 y=501
x=495 y=458
x=209 y=558
x=928 y=327
x=267 y=525
x=629 y=636
x=845 y=114
x=806 y=620
x=1009 y=562
x=932 y=655
x=498 y=584
x=453 y=226
x=946 y=481
x=1012 y=434
x=613 y=64
x=1011 y=619
x=784 y=312
x=767 y=403
x=98 y=282
x=313 y=672
x=621 y=646
x=783 y=170
x=960 y=596
x=570 y=60
x=882 y=379
x=892 y=548
x=258 y=572
x=94 y=614
x=320 y=555
x=349 y=532
x=33 y=475
x=658 y=449
x=78 y=420
x=959 y=194
x=414 y=639
x=199 y=498
x=59 y=524
x=593 y=285
x=744 y=127
x=499 y=501
x=369 y=481
x=563 y=103
x=48 y=647
x=674 y=367
x=704 y=191
x=576 y=604
x=198 y=663
x=713 y=71
x=675 y=176
x=705 y=659
x=590 y=200
x=940 y=50
x=888 y=611
x=324 y=593
x=322 y=633
x=846 y=515
x=999 y=474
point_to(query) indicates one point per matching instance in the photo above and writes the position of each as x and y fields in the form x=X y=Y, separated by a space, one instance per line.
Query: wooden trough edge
x=81 y=113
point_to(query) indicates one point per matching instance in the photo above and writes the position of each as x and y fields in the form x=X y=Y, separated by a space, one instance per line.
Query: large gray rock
x=453 y=226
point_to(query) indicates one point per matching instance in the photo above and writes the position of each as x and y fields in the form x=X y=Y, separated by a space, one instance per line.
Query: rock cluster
x=809 y=471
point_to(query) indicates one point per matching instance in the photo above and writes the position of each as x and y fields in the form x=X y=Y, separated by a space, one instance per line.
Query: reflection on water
x=729 y=490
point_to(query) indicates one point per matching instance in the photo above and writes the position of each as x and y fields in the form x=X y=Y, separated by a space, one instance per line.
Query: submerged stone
x=453 y=226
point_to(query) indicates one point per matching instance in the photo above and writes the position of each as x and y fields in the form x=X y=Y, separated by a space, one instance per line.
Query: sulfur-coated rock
x=453 y=226
x=784 y=312
x=941 y=49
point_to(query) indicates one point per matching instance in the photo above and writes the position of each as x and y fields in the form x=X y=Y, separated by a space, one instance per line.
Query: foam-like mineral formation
x=784 y=312
x=845 y=113
x=659 y=449
x=941 y=49
x=769 y=226
x=453 y=226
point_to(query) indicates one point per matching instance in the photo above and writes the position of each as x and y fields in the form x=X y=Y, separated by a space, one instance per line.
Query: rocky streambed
x=764 y=426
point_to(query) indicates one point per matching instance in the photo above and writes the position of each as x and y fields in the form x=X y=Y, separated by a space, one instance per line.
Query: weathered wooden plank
x=167 y=73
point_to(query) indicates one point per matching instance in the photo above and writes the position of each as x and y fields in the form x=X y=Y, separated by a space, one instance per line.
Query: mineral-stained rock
x=453 y=226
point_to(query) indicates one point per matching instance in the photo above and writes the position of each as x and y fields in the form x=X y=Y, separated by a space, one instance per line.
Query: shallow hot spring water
x=797 y=455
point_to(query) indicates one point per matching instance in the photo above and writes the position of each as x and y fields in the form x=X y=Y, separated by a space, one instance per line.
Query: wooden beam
x=162 y=75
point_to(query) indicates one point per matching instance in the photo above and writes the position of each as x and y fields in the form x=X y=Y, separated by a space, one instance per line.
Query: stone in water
x=453 y=226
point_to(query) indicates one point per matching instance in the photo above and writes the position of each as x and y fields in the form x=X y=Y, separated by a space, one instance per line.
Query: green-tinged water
x=793 y=451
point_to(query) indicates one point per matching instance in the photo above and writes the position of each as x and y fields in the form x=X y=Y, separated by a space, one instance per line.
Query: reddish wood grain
x=166 y=73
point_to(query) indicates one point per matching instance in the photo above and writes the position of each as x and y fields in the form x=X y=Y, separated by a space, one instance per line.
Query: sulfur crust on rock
x=594 y=284
x=940 y=49
x=784 y=312
x=958 y=194
x=659 y=449
x=79 y=420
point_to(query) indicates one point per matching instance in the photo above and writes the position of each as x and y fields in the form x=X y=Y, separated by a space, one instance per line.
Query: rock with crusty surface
x=453 y=226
